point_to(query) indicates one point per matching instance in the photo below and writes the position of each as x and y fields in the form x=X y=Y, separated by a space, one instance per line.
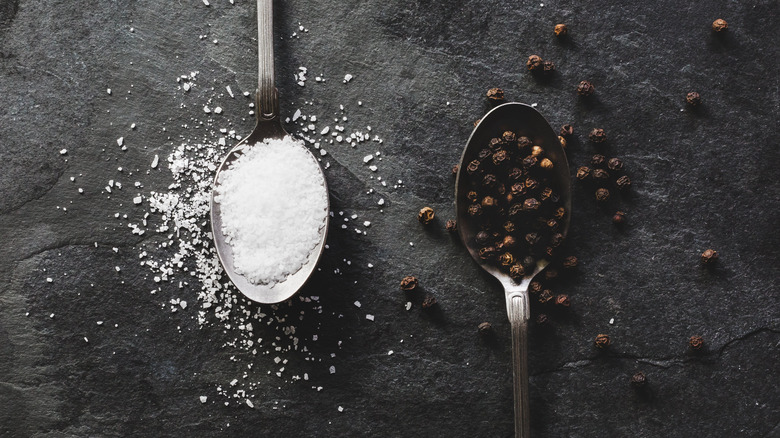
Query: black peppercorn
x=524 y=142
x=409 y=283
x=624 y=182
x=487 y=253
x=530 y=162
x=532 y=238
x=489 y=180
x=548 y=67
x=506 y=259
x=719 y=25
x=618 y=218
x=598 y=160
x=484 y=328
x=473 y=167
x=561 y=30
x=560 y=212
x=615 y=164
x=556 y=240
x=484 y=153
x=638 y=380
x=566 y=130
x=597 y=135
x=509 y=226
x=570 y=262
x=552 y=224
x=546 y=164
x=547 y=194
x=583 y=173
x=515 y=209
x=602 y=195
x=530 y=204
x=537 y=151
x=489 y=202
x=602 y=341
x=545 y=296
x=534 y=63
x=425 y=216
x=451 y=225
x=600 y=174
x=517 y=271
x=475 y=210
x=529 y=264
x=500 y=157
x=472 y=196
x=516 y=174
x=531 y=184
x=709 y=256
x=508 y=136
x=562 y=140
x=455 y=169
x=693 y=98
x=429 y=302
x=585 y=88
x=509 y=242
x=696 y=342
x=550 y=274
x=495 y=95
x=562 y=300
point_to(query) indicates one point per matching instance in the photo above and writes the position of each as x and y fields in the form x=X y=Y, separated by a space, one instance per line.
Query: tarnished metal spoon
x=524 y=120
x=268 y=126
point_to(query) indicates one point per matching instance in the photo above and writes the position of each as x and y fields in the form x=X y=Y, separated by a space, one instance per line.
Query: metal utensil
x=268 y=126
x=523 y=120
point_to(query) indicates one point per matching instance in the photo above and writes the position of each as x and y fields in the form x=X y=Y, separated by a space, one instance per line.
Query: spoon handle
x=267 y=98
x=518 y=311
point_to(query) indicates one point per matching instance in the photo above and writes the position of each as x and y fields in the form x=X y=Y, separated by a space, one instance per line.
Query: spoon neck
x=267 y=96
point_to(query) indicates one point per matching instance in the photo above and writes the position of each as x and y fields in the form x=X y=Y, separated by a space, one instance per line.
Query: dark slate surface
x=702 y=178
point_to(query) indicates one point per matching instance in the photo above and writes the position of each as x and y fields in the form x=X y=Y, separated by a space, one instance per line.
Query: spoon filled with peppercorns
x=513 y=202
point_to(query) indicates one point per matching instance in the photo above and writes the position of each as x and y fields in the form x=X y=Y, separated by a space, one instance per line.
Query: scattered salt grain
x=368 y=158
x=332 y=369
x=155 y=161
x=203 y=399
x=63 y=151
x=249 y=403
x=341 y=409
x=357 y=304
x=137 y=200
x=370 y=317
x=120 y=141
x=347 y=78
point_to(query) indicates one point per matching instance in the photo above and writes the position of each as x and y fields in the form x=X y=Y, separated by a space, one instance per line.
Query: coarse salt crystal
x=203 y=399
x=63 y=151
x=155 y=161
x=368 y=158
x=357 y=304
x=332 y=369
x=120 y=141
x=347 y=78
x=370 y=317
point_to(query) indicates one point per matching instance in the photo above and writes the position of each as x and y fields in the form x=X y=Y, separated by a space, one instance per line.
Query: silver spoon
x=523 y=120
x=268 y=126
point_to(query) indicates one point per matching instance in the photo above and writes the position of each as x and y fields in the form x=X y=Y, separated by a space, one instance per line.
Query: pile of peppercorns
x=514 y=203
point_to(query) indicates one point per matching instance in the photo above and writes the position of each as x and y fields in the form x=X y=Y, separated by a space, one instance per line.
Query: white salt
x=274 y=209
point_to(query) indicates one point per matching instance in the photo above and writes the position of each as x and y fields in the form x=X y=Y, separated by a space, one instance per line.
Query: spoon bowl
x=523 y=120
x=268 y=127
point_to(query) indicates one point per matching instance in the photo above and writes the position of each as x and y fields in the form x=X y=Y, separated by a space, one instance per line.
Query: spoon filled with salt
x=513 y=203
x=269 y=203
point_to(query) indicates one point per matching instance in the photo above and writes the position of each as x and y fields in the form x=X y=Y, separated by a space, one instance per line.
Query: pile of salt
x=273 y=209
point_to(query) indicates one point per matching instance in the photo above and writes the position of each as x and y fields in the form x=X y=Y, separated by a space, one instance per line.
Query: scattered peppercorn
x=619 y=218
x=583 y=173
x=566 y=130
x=425 y=216
x=562 y=300
x=600 y=174
x=409 y=283
x=429 y=302
x=602 y=195
x=615 y=164
x=534 y=63
x=484 y=328
x=570 y=262
x=548 y=67
x=693 y=98
x=597 y=135
x=562 y=140
x=451 y=225
x=696 y=342
x=602 y=341
x=585 y=89
x=638 y=380
x=624 y=182
x=719 y=25
x=709 y=256
x=495 y=95
x=541 y=319
x=598 y=160
x=561 y=30
x=455 y=169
